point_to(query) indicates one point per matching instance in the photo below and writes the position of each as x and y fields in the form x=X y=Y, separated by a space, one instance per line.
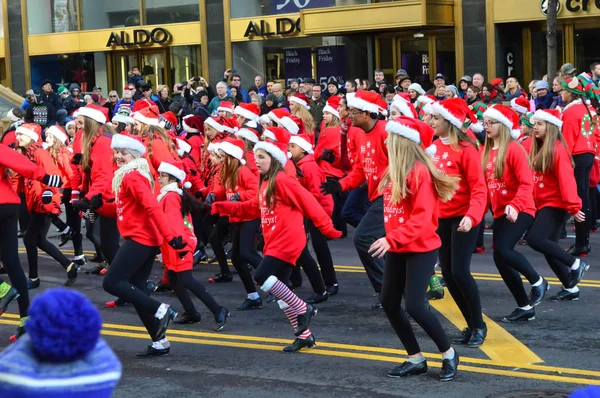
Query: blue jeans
x=356 y=206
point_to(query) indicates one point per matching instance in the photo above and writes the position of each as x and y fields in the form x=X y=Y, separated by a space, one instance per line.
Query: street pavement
x=548 y=357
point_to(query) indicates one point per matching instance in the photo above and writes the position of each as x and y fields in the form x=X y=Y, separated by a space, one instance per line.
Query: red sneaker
x=480 y=250
x=111 y=304
x=13 y=338
x=103 y=271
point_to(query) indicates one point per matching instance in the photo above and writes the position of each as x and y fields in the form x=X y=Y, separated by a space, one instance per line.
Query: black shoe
x=408 y=369
x=520 y=315
x=477 y=337
x=435 y=294
x=270 y=298
x=449 y=368
x=153 y=352
x=317 y=298
x=80 y=262
x=565 y=295
x=163 y=323
x=221 y=278
x=163 y=287
x=304 y=319
x=580 y=251
x=150 y=286
x=221 y=318
x=94 y=269
x=464 y=337
x=333 y=289
x=8 y=298
x=71 y=274
x=187 y=319
x=538 y=293
x=63 y=239
x=21 y=234
x=377 y=305
x=250 y=305
x=299 y=344
x=576 y=275
x=98 y=258
x=33 y=283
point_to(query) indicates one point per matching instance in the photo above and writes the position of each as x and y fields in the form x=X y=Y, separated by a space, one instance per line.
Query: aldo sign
x=140 y=37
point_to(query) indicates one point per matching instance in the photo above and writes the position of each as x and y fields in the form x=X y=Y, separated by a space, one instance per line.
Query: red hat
x=364 y=100
x=31 y=130
x=497 y=81
x=94 y=112
x=290 y=124
x=453 y=110
x=402 y=97
x=304 y=141
x=382 y=105
x=415 y=130
x=507 y=116
x=333 y=103
x=277 y=150
x=405 y=108
x=128 y=141
x=234 y=148
x=520 y=105
x=248 y=133
x=168 y=119
x=475 y=125
x=141 y=104
x=226 y=106
x=174 y=168
x=277 y=114
x=216 y=122
x=58 y=133
x=182 y=147
x=230 y=125
x=551 y=116
x=193 y=124
x=277 y=134
x=148 y=115
x=301 y=99
x=248 y=111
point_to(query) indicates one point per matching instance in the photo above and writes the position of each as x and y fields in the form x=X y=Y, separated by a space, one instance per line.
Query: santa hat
x=248 y=133
x=143 y=104
x=58 y=133
x=175 y=169
x=234 y=148
x=304 y=141
x=366 y=101
x=264 y=119
x=148 y=116
x=402 y=97
x=247 y=111
x=453 y=110
x=276 y=114
x=289 y=124
x=520 y=105
x=333 y=103
x=226 y=106
x=551 y=116
x=405 y=108
x=94 y=112
x=277 y=150
x=497 y=81
x=129 y=142
x=230 y=125
x=182 y=147
x=382 y=105
x=474 y=125
x=414 y=130
x=119 y=118
x=168 y=120
x=216 y=123
x=214 y=147
x=192 y=124
x=31 y=130
x=301 y=99
x=506 y=116
x=416 y=87
x=277 y=134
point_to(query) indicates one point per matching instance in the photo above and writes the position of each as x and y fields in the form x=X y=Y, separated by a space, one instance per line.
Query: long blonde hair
x=403 y=154
x=91 y=129
x=149 y=133
x=459 y=138
x=504 y=139
x=309 y=121
x=335 y=121
x=543 y=151
x=56 y=149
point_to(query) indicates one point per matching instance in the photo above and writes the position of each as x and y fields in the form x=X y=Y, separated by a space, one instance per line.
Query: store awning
x=505 y=11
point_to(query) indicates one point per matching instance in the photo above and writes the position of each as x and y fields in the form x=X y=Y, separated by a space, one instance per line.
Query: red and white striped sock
x=283 y=293
x=292 y=316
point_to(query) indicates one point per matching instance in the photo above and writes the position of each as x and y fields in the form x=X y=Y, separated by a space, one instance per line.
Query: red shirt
x=526 y=142
x=247 y=187
x=157 y=153
x=99 y=179
x=251 y=162
x=182 y=226
x=470 y=198
x=371 y=161
x=11 y=159
x=515 y=187
x=329 y=138
x=557 y=187
x=577 y=128
x=313 y=177
x=196 y=141
x=411 y=224
x=34 y=189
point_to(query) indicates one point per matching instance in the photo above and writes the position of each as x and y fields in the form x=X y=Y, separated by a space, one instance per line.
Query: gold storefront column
x=569 y=43
x=459 y=39
x=527 y=58
x=432 y=53
x=490 y=39
x=227 y=33
x=204 y=39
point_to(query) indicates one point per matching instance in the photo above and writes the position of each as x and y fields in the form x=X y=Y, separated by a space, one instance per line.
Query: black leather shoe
x=333 y=289
x=163 y=323
x=435 y=294
x=377 y=305
x=221 y=318
x=250 y=305
x=162 y=287
x=33 y=283
x=576 y=275
x=565 y=295
x=80 y=262
x=71 y=274
x=520 y=315
x=153 y=352
x=477 y=337
x=98 y=258
x=317 y=298
x=64 y=239
x=299 y=344
x=187 y=319
x=93 y=269
x=221 y=278
x=408 y=369
x=304 y=319
x=449 y=368
x=464 y=337
x=580 y=251
x=538 y=293
x=8 y=298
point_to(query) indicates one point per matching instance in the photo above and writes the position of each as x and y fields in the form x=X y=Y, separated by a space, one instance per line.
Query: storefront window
x=109 y=14
x=64 y=69
x=539 y=56
x=51 y=16
x=415 y=60
x=255 y=8
x=171 y=11
x=185 y=63
x=446 y=59
x=585 y=51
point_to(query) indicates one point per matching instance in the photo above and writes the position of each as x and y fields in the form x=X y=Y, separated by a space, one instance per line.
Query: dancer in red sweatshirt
x=282 y=205
x=510 y=187
x=555 y=193
x=412 y=188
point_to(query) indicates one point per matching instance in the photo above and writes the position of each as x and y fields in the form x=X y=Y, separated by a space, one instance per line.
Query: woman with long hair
x=164 y=101
x=300 y=106
x=412 y=188
x=555 y=193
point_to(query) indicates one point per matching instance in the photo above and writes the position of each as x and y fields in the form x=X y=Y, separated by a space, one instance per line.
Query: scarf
x=140 y=164
x=172 y=187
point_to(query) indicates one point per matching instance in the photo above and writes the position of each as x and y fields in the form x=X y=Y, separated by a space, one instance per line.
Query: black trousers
x=309 y=265
x=35 y=238
x=23 y=213
x=9 y=252
x=92 y=233
x=407 y=274
x=455 y=261
x=321 y=247
x=74 y=222
x=58 y=223
x=583 y=167
x=184 y=281
x=216 y=237
x=510 y=263
x=544 y=236
x=109 y=237
x=339 y=200
x=273 y=266
x=243 y=251
x=126 y=278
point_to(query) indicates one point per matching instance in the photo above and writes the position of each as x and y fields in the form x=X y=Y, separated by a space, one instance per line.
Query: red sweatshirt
x=411 y=224
x=577 y=128
x=139 y=216
x=63 y=162
x=171 y=206
x=313 y=177
x=353 y=136
x=557 y=187
x=247 y=187
x=515 y=187
x=196 y=141
x=283 y=227
x=11 y=159
x=251 y=162
x=329 y=138
x=371 y=161
x=99 y=180
x=34 y=189
x=526 y=142
x=470 y=198
x=157 y=153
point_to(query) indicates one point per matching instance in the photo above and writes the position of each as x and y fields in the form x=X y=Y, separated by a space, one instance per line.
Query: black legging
x=35 y=238
x=9 y=252
x=455 y=261
x=544 y=236
x=92 y=233
x=58 y=223
x=73 y=221
x=510 y=263
x=243 y=251
x=184 y=281
x=583 y=167
x=273 y=266
x=407 y=274
x=593 y=208
x=339 y=200
x=109 y=237
x=321 y=248
x=216 y=237
x=309 y=265
x=126 y=278
x=23 y=213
